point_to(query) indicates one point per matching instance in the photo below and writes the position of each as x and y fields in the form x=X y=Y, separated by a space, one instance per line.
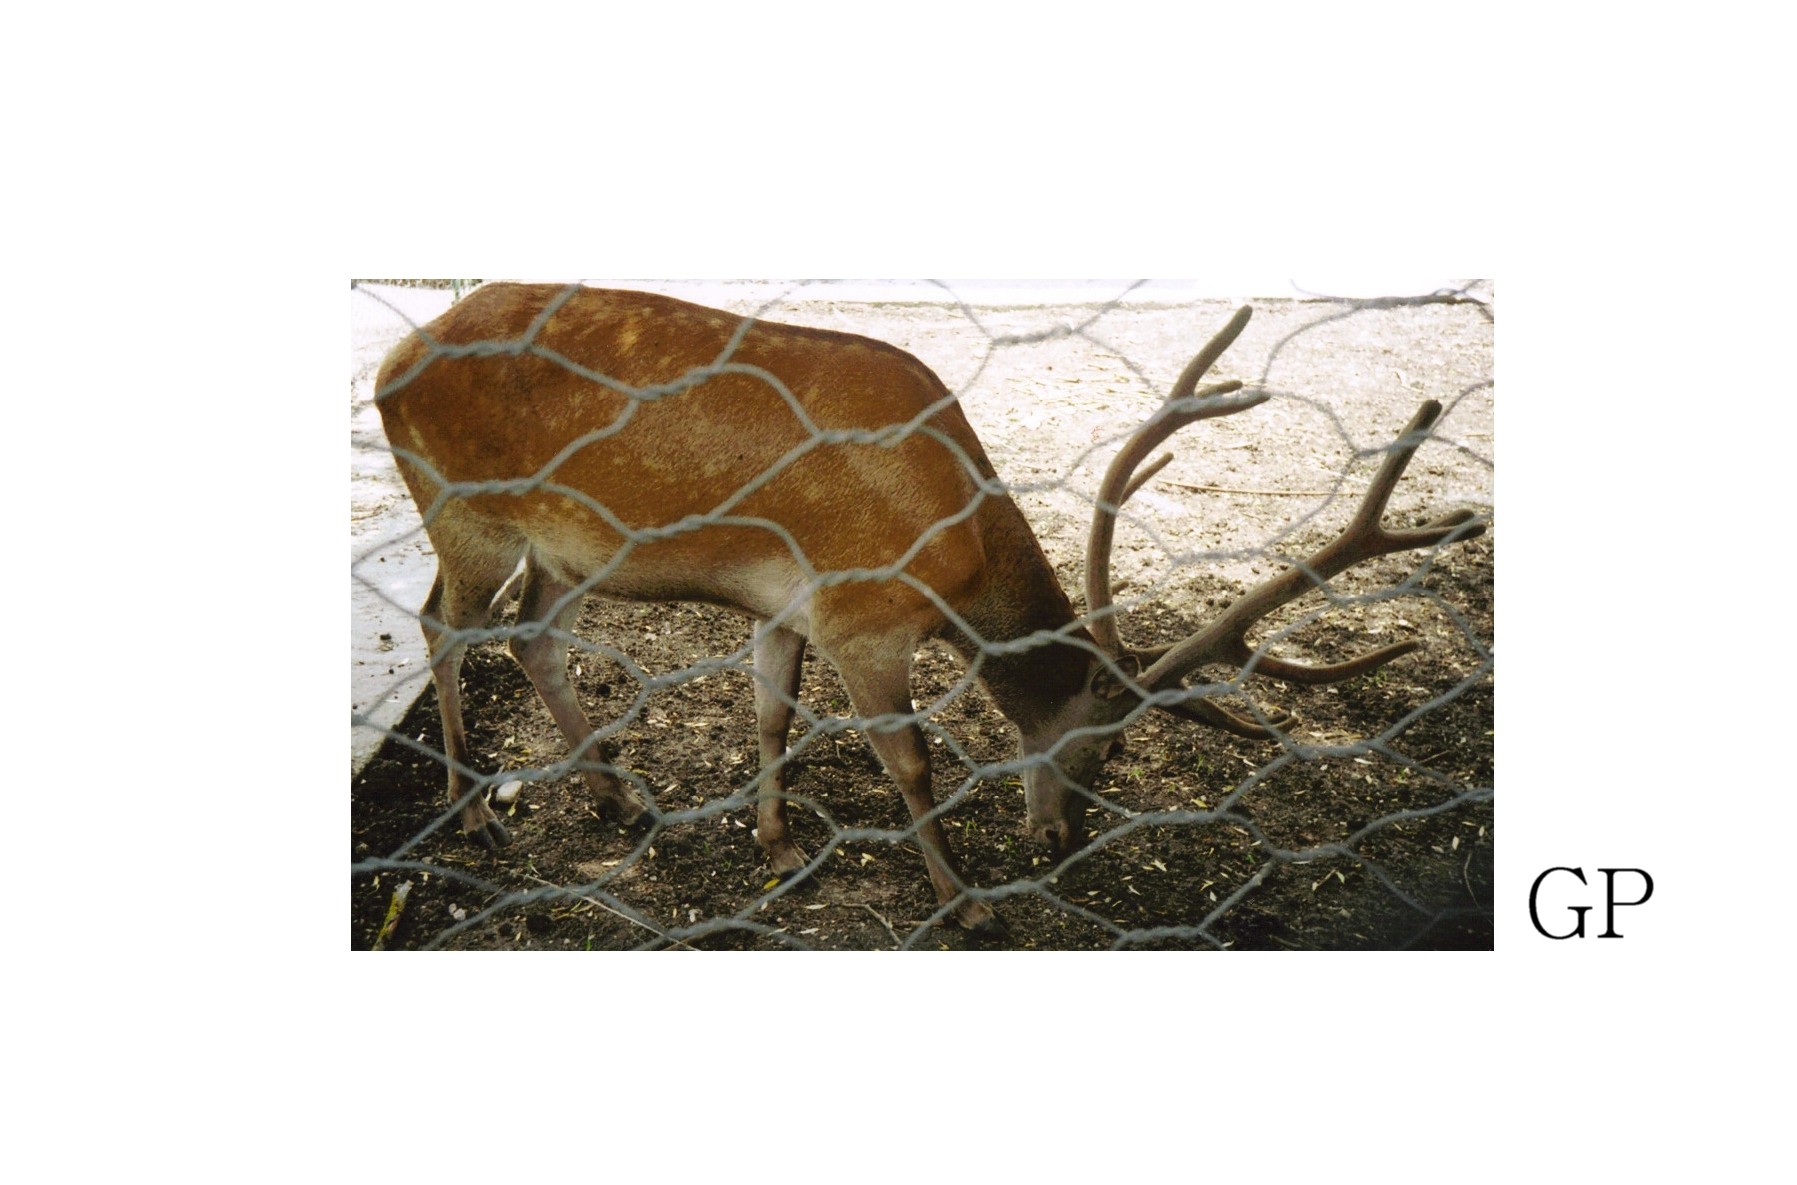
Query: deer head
x=1122 y=680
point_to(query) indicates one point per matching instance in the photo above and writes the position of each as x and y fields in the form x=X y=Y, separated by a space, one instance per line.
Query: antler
x=1185 y=404
x=1225 y=640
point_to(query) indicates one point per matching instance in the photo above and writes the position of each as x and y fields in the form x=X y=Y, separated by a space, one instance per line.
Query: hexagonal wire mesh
x=1363 y=820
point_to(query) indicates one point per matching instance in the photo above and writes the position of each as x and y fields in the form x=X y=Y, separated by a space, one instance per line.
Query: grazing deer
x=826 y=485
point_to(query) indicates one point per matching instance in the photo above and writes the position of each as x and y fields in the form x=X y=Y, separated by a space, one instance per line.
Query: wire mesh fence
x=1364 y=820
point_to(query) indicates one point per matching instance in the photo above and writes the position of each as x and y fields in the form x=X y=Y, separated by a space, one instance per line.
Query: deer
x=829 y=487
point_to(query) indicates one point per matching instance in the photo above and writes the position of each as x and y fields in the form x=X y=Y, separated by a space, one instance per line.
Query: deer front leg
x=887 y=693
x=779 y=658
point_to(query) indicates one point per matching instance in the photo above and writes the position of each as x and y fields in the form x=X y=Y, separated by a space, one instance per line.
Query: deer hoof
x=620 y=802
x=490 y=835
x=785 y=861
x=978 y=919
x=781 y=876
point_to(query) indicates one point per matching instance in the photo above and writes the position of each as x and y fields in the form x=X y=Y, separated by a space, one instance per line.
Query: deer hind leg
x=884 y=689
x=548 y=602
x=470 y=573
x=779 y=658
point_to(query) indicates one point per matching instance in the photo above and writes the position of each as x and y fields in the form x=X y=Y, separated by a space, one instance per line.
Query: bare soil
x=1372 y=827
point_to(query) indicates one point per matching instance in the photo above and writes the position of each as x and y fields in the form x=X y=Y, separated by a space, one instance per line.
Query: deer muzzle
x=1052 y=815
x=1062 y=837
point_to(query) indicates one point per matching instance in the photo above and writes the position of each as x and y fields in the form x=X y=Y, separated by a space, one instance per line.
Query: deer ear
x=1106 y=684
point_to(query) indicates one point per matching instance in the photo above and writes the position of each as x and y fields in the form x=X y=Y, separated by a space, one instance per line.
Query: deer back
x=611 y=412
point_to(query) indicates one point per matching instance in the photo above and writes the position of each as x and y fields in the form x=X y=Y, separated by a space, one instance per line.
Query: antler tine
x=1331 y=672
x=1213 y=349
x=1225 y=639
x=1372 y=505
x=1143 y=478
x=1204 y=711
x=1118 y=484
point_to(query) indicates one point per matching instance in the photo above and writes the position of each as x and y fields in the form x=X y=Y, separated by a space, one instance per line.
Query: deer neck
x=1019 y=598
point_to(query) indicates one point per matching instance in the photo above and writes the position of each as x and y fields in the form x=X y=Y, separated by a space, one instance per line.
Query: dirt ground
x=1372 y=827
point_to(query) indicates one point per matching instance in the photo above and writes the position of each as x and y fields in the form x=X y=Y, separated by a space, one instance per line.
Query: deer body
x=915 y=506
x=827 y=485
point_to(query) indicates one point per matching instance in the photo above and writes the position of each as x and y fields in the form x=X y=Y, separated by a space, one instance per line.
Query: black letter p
x=1610 y=896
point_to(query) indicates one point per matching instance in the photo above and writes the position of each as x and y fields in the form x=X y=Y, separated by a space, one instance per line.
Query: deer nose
x=1061 y=837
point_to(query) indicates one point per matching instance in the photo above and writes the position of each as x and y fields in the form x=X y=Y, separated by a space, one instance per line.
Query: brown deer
x=826 y=485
